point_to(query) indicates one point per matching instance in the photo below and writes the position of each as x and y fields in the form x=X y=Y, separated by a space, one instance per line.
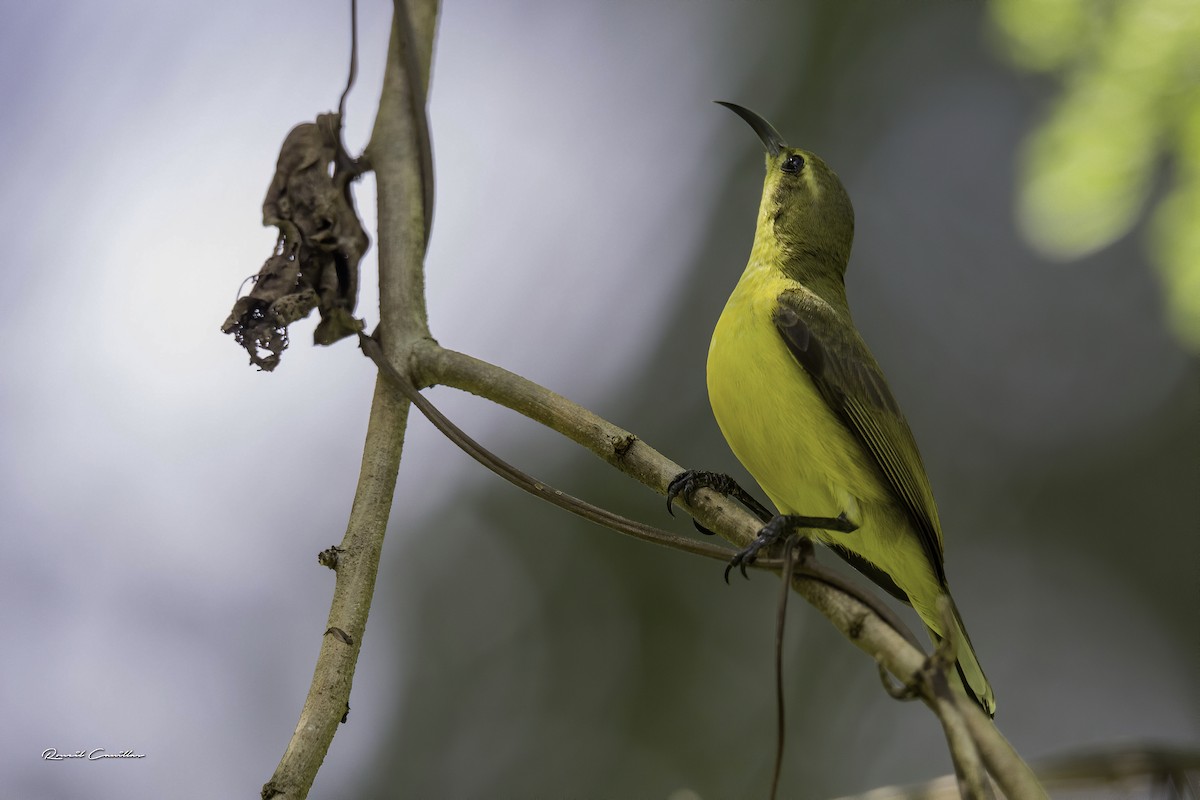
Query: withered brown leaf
x=321 y=242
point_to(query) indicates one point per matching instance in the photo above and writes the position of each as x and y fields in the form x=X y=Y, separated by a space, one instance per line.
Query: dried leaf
x=321 y=242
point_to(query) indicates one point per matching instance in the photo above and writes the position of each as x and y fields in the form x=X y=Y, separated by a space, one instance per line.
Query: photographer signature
x=95 y=754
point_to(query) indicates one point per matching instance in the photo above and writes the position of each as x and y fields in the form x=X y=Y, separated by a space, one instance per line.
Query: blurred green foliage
x=1130 y=71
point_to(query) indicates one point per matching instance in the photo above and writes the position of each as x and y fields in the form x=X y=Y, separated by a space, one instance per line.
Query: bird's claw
x=746 y=556
x=742 y=559
x=685 y=483
x=688 y=482
x=780 y=526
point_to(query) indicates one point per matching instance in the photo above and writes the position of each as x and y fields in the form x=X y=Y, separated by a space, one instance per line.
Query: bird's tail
x=975 y=682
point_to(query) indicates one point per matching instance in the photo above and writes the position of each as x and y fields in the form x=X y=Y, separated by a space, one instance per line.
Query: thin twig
x=789 y=567
x=433 y=364
x=353 y=60
x=601 y=516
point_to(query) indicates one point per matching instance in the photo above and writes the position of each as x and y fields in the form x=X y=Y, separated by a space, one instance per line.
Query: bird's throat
x=815 y=270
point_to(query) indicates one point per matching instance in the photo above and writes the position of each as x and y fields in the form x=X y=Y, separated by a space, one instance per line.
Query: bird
x=805 y=407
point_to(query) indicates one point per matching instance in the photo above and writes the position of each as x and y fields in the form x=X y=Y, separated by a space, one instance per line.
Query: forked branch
x=399 y=154
x=396 y=156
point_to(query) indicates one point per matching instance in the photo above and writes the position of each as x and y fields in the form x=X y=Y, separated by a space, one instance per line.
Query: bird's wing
x=851 y=382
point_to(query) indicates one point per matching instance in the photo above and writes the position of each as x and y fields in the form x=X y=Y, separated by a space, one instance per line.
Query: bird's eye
x=793 y=163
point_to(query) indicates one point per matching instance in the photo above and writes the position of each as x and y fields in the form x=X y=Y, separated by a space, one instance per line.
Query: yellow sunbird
x=806 y=409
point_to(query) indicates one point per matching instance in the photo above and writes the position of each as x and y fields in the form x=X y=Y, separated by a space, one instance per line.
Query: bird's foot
x=685 y=484
x=778 y=528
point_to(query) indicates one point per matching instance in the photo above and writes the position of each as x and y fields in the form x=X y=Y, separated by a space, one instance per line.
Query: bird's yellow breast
x=776 y=422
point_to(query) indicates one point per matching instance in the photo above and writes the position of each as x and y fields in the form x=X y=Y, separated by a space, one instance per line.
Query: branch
x=872 y=635
x=973 y=782
x=541 y=489
x=1128 y=767
x=435 y=365
x=394 y=154
x=399 y=153
x=871 y=631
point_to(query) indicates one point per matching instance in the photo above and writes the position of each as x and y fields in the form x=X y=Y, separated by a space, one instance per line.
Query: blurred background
x=1026 y=177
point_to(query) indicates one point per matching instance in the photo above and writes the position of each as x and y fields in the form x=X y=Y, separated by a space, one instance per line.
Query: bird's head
x=804 y=208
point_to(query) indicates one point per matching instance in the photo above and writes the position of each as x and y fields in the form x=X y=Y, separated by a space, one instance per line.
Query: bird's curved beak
x=770 y=137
